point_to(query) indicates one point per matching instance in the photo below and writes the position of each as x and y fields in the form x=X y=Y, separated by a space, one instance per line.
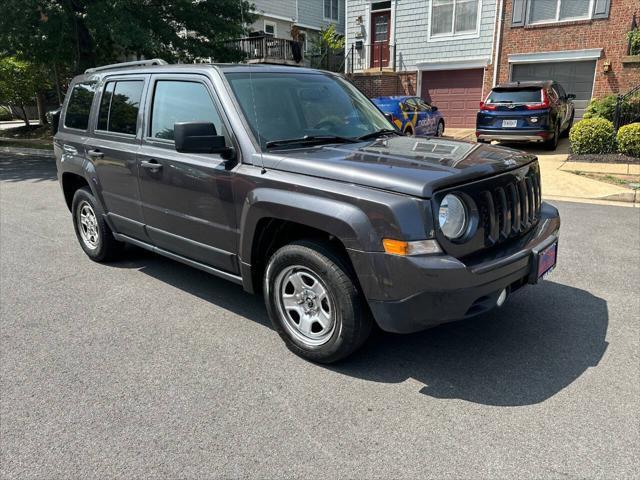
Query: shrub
x=594 y=135
x=5 y=114
x=629 y=139
x=605 y=107
x=634 y=39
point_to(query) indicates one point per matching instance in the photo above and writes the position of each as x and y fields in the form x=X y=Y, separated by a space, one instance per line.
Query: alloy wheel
x=88 y=225
x=304 y=302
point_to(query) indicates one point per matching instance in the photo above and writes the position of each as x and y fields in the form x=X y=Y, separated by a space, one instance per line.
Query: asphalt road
x=146 y=368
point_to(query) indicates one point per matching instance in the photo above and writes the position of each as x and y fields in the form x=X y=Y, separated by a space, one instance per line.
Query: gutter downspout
x=496 y=57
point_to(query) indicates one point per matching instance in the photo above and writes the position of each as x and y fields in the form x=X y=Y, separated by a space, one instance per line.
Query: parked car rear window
x=119 y=106
x=522 y=95
x=79 y=106
x=180 y=101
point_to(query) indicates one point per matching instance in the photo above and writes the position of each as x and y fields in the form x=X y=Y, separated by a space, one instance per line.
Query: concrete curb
x=36 y=152
x=632 y=197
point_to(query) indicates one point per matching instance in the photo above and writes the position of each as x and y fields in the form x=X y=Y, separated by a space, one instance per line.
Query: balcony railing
x=267 y=49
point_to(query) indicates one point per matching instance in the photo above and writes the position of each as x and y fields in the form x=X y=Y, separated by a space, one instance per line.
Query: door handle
x=95 y=153
x=151 y=164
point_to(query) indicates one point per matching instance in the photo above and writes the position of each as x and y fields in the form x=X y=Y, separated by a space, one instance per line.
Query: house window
x=331 y=10
x=454 y=17
x=270 y=28
x=545 y=11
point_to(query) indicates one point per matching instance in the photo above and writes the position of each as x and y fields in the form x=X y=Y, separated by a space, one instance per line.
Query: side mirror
x=571 y=96
x=200 y=137
x=389 y=117
x=434 y=108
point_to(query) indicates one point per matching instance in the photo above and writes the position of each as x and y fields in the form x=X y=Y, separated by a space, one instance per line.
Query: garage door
x=575 y=77
x=456 y=93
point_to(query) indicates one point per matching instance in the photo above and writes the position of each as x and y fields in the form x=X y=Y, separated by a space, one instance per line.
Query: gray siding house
x=279 y=17
x=439 y=49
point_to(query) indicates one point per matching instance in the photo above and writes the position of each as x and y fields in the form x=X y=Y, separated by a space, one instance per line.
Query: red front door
x=380 y=34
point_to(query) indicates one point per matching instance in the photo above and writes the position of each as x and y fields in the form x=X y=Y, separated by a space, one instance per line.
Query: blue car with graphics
x=412 y=115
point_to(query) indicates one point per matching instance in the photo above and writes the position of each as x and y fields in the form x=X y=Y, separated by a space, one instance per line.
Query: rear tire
x=568 y=129
x=93 y=233
x=314 y=303
x=440 y=129
x=553 y=143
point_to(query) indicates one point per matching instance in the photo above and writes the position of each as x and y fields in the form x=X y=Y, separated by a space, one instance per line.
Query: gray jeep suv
x=290 y=182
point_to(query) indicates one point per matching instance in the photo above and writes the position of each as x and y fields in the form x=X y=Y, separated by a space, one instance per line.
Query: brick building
x=583 y=46
x=448 y=50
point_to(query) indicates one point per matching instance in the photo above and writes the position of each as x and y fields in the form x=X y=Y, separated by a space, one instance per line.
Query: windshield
x=524 y=95
x=285 y=106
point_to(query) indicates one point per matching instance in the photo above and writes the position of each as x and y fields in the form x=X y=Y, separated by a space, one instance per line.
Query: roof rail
x=135 y=63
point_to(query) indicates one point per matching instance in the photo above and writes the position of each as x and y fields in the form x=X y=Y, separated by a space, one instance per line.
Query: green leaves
x=593 y=136
x=629 y=139
x=80 y=34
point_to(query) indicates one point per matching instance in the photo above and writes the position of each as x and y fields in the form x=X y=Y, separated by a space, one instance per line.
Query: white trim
x=271 y=15
x=558 y=56
x=453 y=65
x=557 y=19
x=495 y=52
x=329 y=19
x=447 y=37
x=271 y=24
x=307 y=26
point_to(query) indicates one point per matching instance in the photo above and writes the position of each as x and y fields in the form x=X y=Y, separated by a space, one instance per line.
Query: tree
x=84 y=33
x=20 y=82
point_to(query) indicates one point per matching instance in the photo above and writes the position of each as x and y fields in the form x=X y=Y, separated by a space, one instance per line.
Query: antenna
x=253 y=101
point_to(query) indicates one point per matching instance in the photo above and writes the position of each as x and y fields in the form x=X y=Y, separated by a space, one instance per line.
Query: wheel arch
x=273 y=218
x=72 y=182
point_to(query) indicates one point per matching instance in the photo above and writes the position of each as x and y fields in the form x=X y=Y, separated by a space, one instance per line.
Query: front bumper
x=515 y=135
x=408 y=294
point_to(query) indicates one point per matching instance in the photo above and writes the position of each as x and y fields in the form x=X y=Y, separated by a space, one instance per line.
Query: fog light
x=502 y=298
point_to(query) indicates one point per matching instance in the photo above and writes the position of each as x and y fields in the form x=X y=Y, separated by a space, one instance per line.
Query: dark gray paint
x=205 y=211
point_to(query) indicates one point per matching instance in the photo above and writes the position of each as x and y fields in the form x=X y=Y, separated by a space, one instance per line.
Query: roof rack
x=136 y=63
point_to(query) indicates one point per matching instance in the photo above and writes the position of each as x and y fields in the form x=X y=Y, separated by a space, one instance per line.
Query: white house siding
x=413 y=47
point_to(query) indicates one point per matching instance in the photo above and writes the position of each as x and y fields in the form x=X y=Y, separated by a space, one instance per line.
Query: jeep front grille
x=510 y=210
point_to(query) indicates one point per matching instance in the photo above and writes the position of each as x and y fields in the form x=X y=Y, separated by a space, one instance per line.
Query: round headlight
x=452 y=216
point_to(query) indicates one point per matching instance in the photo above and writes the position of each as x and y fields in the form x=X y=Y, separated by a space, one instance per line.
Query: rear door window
x=79 y=106
x=119 y=106
x=522 y=95
x=181 y=101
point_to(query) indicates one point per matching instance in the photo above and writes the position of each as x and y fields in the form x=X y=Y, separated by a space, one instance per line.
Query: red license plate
x=547 y=260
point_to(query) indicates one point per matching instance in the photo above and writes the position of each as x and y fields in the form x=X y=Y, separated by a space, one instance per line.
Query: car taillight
x=540 y=106
x=485 y=106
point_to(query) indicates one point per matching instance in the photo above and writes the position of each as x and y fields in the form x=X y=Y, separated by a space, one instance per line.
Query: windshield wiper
x=379 y=133
x=310 y=140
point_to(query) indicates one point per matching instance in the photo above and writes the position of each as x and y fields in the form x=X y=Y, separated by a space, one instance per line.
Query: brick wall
x=608 y=34
x=386 y=83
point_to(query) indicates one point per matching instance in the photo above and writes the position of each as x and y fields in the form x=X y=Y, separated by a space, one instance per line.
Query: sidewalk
x=558 y=182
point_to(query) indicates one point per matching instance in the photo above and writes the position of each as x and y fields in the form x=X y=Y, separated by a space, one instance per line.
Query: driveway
x=145 y=368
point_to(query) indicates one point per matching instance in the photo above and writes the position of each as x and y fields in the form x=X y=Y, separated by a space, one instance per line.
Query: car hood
x=408 y=165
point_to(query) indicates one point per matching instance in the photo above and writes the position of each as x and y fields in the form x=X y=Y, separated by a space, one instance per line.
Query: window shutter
x=601 y=8
x=519 y=13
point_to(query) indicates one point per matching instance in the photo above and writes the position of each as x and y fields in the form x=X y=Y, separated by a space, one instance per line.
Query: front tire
x=93 y=233
x=314 y=303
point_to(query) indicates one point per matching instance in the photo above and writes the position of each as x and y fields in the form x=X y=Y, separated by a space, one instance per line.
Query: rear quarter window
x=523 y=95
x=79 y=106
x=119 y=106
